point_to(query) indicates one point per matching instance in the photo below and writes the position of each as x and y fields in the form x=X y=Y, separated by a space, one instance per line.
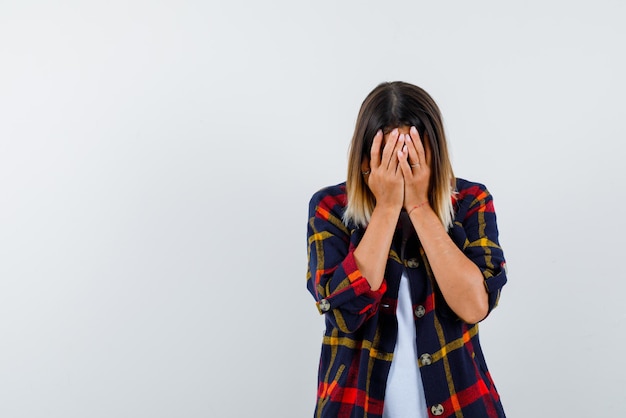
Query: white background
x=156 y=161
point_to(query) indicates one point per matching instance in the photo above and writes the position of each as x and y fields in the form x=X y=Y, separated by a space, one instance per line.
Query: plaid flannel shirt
x=361 y=327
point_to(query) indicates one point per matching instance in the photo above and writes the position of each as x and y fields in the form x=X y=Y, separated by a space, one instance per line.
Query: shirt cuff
x=358 y=287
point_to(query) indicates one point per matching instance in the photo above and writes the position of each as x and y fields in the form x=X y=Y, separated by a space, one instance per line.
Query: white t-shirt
x=404 y=396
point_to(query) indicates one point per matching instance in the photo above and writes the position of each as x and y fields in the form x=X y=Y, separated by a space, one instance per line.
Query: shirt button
x=419 y=311
x=437 y=409
x=324 y=305
x=412 y=263
x=426 y=359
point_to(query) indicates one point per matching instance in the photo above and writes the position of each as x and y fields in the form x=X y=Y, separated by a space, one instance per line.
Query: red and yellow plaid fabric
x=361 y=327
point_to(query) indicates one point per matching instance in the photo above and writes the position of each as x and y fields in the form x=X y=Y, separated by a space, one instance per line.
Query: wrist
x=387 y=209
x=418 y=206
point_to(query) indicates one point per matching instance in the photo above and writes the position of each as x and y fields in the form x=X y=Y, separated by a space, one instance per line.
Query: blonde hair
x=388 y=106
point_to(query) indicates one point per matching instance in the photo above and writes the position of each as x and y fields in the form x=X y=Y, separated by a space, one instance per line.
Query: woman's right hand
x=386 y=182
x=385 y=179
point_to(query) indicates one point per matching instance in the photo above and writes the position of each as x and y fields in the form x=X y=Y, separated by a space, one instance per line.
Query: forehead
x=404 y=129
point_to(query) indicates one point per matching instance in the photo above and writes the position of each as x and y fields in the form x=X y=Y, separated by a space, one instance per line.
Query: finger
x=388 y=149
x=412 y=150
x=375 y=150
x=393 y=164
x=418 y=145
x=403 y=162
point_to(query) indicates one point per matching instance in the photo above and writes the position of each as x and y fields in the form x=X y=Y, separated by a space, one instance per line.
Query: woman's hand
x=385 y=178
x=459 y=279
x=414 y=163
x=386 y=183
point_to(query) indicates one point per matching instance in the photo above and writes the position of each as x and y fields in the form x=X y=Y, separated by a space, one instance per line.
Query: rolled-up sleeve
x=475 y=232
x=333 y=278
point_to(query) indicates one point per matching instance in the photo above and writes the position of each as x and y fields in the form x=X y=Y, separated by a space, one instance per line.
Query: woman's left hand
x=415 y=166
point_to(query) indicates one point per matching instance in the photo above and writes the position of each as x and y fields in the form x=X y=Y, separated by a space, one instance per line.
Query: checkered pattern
x=361 y=327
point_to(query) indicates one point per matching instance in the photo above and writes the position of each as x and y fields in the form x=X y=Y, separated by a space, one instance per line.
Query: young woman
x=404 y=261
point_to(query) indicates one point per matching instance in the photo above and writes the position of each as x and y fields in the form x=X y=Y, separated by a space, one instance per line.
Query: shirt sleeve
x=333 y=278
x=476 y=233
